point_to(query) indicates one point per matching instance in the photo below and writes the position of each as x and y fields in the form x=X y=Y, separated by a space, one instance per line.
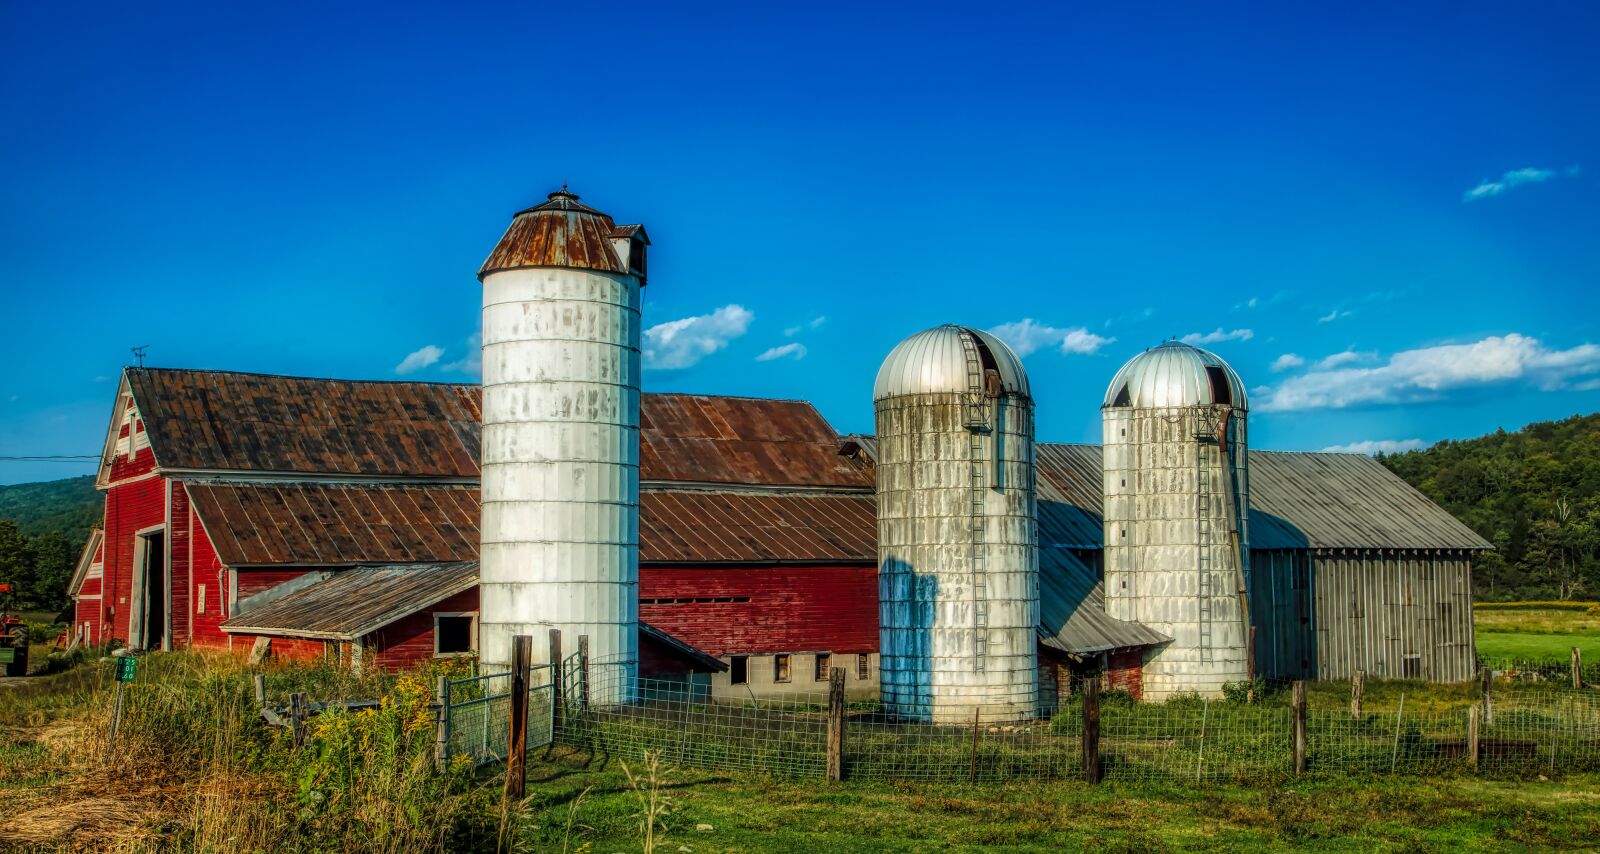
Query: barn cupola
x=958 y=565
x=1176 y=490
x=560 y=454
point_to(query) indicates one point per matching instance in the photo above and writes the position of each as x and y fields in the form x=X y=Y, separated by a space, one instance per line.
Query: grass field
x=1537 y=631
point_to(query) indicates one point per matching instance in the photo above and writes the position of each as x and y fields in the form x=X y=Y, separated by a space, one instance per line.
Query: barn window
x=780 y=667
x=863 y=666
x=455 y=634
x=824 y=665
x=739 y=671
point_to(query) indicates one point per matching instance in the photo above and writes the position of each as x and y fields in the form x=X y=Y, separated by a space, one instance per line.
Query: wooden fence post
x=1486 y=687
x=1474 y=717
x=583 y=671
x=516 y=752
x=297 y=718
x=260 y=682
x=836 y=721
x=1091 y=730
x=441 y=735
x=558 y=688
x=1299 y=726
x=1577 y=667
x=1357 y=686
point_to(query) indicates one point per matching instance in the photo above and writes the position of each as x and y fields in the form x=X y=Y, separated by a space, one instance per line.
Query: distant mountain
x=1534 y=493
x=70 y=507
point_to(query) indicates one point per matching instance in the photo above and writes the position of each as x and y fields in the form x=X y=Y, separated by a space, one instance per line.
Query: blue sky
x=1385 y=219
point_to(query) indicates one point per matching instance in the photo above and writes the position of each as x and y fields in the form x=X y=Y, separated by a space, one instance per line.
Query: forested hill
x=70 y=507
x=1534 y=493
x=42 y=530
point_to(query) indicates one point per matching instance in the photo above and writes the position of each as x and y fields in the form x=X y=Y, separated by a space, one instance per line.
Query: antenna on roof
x=138 y=353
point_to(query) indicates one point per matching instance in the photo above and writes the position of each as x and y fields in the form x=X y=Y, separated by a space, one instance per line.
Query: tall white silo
x=1176 y=515
x=958 y=564
x=560 y=453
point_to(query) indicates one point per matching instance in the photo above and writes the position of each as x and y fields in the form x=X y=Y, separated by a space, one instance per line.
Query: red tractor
x=13 y=636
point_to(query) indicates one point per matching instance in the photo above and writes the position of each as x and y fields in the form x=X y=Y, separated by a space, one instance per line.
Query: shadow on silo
x=907 y=608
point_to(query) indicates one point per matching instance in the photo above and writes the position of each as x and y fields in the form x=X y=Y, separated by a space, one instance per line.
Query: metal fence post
x=1394 y=756
x=1091 y=731
x=516 y=765
x=583 y=671
x=1300 y=726
x=836 y=719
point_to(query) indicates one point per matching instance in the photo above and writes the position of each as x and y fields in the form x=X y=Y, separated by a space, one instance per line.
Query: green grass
x=749 y=813
x=1537 y=631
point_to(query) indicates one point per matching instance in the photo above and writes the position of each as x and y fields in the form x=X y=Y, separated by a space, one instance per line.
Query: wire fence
x=608 y=709
x=477 y=715
x=1547 y=670
x=1187 y=739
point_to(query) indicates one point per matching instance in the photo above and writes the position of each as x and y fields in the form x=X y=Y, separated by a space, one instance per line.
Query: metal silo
x=957 y=540
x=1176 y=515
x=560 y=454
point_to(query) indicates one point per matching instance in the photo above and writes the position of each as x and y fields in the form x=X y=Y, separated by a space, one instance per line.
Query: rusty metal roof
x=692 y=526
x=355 y=602
x=742 y=440
x=561 y=232
x=220 y=420
x=226 y=421
x=319 y=524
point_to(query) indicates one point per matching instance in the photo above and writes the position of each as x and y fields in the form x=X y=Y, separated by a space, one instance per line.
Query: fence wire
x=477 y=718
x=606 y=708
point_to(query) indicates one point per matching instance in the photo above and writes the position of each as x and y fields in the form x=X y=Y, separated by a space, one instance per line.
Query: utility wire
x=50 y=458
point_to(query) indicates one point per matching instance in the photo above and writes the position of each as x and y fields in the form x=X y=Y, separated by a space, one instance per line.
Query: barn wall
x=1281 y=611
x=286 y=649
x=789 y=609
x=1394 y=614
x=205 y=570
x=181 y=594
x=409 y=640
x=86 y=600
x=134 y=502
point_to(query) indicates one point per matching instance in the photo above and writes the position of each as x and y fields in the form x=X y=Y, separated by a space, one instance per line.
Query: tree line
x=1534 y=494
x=37 y=567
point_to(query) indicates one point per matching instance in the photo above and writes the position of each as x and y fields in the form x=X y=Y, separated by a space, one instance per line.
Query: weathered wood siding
x=1394 y=614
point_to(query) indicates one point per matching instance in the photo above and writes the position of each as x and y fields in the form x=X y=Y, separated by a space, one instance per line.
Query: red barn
x=340 y=518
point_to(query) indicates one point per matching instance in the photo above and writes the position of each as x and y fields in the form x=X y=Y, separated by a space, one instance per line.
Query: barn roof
x=253 y=523
x=346 y=605
x=222 y=422
x=335 y=524
x=226 y=421
x=1298 y=500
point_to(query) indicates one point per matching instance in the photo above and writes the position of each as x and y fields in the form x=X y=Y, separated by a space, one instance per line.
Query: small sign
x=127 y=666
x=7 y=655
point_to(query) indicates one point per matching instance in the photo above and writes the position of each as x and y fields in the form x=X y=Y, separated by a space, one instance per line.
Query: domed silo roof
x=1176 y=374
x=934 y=361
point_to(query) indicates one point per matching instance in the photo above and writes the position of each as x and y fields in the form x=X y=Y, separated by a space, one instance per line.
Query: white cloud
x=472 y=362
x=1247 y=304
x=813 y=323
x=1339 y=360
x=1218 y=334
x=419 y=359
x=792 y=349
x=683 y=343
x=1286 y=362
x=1333 y=315
x=1428 y=372
x=1510 y=181
x=1028 y=336
x=1376 y=446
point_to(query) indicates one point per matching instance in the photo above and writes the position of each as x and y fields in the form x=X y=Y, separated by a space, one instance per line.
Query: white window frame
x=474 y=633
